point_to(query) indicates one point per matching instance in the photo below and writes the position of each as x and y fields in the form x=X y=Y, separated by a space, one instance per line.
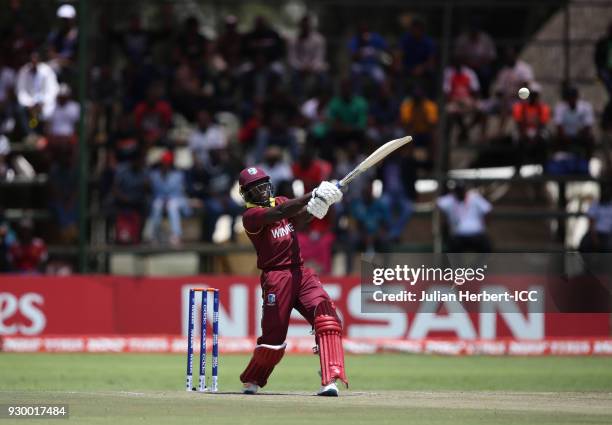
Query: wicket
x=215 y=340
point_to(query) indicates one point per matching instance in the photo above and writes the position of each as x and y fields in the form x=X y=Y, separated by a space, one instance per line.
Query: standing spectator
x=465 y=213
x=419 y=117
x=574 y=145
x=603 y=60
x=168 y=187
x=206 y=137
x=273 y=165
x=348 y=117
x=153 y=116
x=229 y=45
x=477 y=48
x=418 y=55
x=307 y=56
x=28 y=254
x=461 y=88
x=513 y=75
x=61 y=126
x=62 y=41
x=368 y=50
x=37 y=89
x=263 y=41
x=531 y=117
x=130 y=192
x=598 y=237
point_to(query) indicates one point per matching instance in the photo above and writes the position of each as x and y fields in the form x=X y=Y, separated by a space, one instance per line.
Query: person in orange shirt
x=531 y=117
x=419 y=117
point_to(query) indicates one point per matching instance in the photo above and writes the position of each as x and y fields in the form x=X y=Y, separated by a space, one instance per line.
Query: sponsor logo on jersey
x=282 y=231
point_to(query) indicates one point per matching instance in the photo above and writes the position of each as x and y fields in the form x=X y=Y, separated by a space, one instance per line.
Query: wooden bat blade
x=374 y=158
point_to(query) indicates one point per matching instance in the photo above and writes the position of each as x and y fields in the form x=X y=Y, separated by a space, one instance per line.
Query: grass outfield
x=385 y=389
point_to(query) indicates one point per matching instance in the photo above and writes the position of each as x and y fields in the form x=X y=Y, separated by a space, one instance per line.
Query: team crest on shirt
x=271 y=299
x=252 y=171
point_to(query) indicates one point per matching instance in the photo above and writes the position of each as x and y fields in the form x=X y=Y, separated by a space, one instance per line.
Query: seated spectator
x=461 y=88
x=168 y=188
x=257 y=82
x=153 y=117
x=347 y=118
x=478 y=50
x=63 y=188
x=229 y=45
x=531 y=117
x=191 y=45
x=418 y=56
x=314 y=113
x=310 y=169
x=513 y=75
x=131 y=187
x=274 y=166
x=419 y=117
x=465 y=213
x=382 y=116
x=307 y=57
x=398 y=174
x=367 y=50
x=603 y=60
x=136 y=42
x=63 y=41
x=37 y=89
x=598 y=237
x=371 y=217
x=28 y=254
x=7 y=79
x=206 y=137
x=574 y=142
x=263 y=42
x=62 y=124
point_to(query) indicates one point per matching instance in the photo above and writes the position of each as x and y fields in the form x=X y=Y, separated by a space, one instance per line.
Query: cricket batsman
x=271 y=223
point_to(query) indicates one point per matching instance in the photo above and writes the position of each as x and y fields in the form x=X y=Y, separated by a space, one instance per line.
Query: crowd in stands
x=260 y=97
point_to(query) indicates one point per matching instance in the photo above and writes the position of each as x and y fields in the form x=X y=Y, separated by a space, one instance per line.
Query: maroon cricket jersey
x=277 y=243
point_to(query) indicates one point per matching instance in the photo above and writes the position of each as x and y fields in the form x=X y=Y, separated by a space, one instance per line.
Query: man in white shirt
x=205 y=138
x=465 y=213
x=62 y=122
x=37 y=88
x=574 y=119
x=597 y=238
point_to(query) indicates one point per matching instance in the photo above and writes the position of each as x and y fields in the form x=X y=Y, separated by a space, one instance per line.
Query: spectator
x=61 y=126
x=229 y=45
x=574 y=119
x=513 y=75
x=191 y=46
x=263 y=42
x=314 y=113
x=63 y=41
x=477 y=48
x=307 y=57
x=382 y=115
x=371 y=216
x=37 y=89
x=130 y=192
x=368 y=50
x=461 y=88
x=207 y=136
x=348 y=117
x=310 y=169
x=257 y=83
x=153 y=116
x=63 y=185
x=418 y=55
x=136 y=43
x=6 y=173
x=603 y=60
x=597 y=238
x=168 y=187
x=419 y=117
x=274 y=166
x=531 y=117
x=7 y=239
x=28 y=254
x=7 y=80
x=465 y=213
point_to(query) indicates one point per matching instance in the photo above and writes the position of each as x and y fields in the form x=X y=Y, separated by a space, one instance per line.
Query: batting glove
x=317 y=207
x=329 y=192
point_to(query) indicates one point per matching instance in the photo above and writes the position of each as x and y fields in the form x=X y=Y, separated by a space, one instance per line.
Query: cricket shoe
x=249 y=388
x=329 y=390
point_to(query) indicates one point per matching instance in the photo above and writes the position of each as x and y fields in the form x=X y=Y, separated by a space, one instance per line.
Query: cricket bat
x=374 y=158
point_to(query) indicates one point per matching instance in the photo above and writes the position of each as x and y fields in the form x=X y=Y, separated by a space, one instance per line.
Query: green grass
x=131 y=388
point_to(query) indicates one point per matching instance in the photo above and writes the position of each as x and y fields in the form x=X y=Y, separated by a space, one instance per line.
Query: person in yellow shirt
x=419 y=117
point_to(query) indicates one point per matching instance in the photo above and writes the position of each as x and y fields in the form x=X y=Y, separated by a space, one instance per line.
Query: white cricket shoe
x=329 y=390
x=250 y=388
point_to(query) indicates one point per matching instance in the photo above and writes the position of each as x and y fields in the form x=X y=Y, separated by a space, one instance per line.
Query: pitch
x=385 y=389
